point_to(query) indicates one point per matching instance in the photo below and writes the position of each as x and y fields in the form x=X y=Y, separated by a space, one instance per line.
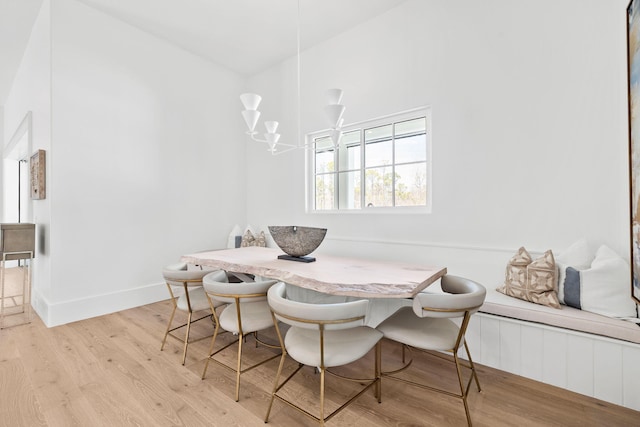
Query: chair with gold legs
x=427 y=326
x=192 y=299
x=323 y=336
x=246 y=314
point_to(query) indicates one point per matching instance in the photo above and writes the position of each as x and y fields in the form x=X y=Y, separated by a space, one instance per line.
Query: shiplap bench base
x=584 y=362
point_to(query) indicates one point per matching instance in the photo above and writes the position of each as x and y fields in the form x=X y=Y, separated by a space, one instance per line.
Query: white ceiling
x=246 y=36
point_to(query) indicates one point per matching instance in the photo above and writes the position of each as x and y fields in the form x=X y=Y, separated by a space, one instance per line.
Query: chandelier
x=334 y=110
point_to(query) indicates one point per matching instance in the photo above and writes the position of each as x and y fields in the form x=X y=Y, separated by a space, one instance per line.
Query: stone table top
x=328 y=274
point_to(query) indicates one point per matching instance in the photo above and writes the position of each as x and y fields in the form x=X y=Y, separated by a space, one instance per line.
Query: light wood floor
x=109 y=371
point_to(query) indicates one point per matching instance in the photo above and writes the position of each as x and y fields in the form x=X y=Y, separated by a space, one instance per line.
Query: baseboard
x=59 y=313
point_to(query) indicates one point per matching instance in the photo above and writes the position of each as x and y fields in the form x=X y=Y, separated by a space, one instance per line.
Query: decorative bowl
x=297 y=241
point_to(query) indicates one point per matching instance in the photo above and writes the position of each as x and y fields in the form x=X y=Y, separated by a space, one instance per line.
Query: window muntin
x=379 y=164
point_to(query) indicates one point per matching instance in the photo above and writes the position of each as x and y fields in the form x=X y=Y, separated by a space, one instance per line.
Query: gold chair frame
x=321 y=325
x=464 y=391
x=241 y=338
x=169 y=331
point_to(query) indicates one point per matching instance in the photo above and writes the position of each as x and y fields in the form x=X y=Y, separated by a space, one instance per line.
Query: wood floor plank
x=183 y=387
x=8 y=347
x=19 y=406
x=110 y=371
x=61 y=399
x=148 y=390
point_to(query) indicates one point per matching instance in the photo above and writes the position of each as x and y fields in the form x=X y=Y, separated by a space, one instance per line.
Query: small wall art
x=37 y=167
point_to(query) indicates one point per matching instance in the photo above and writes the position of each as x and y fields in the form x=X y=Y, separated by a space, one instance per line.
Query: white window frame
x=310 y=172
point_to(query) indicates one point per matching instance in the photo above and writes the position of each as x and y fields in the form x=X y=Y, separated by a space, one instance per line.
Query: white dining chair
x=427 y=326
x=247 y=313
x=187 y=295
x=323 y=336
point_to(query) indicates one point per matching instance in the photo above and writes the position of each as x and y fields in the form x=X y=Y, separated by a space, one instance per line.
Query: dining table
x=333 y=275
x=388 y=285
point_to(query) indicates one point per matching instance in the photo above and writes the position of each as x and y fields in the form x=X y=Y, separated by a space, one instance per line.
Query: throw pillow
x=516 y=274
x=533 y=281
x=578 y=256
x=248 y=239
x=603 y=288
x=235 y=237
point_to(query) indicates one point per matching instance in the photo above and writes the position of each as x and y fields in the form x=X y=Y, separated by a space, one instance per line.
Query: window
x=379 y=165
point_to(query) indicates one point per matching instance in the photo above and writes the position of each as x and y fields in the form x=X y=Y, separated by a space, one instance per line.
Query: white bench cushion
x=565 y=317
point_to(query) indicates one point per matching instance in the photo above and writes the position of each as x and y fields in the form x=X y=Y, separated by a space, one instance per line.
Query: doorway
x=15 y=175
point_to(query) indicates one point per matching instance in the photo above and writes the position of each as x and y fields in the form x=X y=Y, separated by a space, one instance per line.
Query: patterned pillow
x=533 y=281
x=516 y=275
x=248 y=239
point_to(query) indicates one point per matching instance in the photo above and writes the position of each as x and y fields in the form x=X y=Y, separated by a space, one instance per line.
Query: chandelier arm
x=286 y=150
x=253 y=136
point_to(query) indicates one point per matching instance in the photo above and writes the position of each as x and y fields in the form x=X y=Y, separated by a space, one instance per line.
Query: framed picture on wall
x=633 y=87
x=37 y=168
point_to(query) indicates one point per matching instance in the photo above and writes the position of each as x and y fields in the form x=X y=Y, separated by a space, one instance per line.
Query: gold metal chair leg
x=238 y=371
x=463 y=391
x=164 y=340
x=186 y=339
x=378 y=369
x=275 y=385
x=473 y=367
x=213 y=343
x=322 y=396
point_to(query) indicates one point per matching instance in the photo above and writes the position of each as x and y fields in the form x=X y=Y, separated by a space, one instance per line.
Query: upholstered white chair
x=246 y=314
x=191 y=300
x=323 y=336
x=427 y=326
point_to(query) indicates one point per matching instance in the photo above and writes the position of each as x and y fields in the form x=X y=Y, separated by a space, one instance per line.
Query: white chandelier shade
x=334 y=111
x=334 y=96
x=250 y=101
x=251 y=119
x=336 y=136
x=271 y=126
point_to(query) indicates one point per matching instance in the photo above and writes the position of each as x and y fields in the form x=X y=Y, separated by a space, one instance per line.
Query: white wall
x=142 y=166
x=273 y=193
x=529 y=129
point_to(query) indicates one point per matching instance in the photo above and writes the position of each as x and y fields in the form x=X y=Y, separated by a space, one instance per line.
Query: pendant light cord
x=298 y=79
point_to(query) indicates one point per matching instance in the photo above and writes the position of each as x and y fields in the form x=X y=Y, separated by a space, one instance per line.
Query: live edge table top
x=328 y=274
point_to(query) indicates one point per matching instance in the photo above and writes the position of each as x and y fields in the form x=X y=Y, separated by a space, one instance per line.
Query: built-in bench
x=577 y=350
x=571 y=318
